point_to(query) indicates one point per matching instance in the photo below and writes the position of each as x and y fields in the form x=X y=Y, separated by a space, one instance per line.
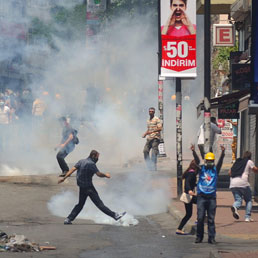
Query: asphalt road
x=24 y=211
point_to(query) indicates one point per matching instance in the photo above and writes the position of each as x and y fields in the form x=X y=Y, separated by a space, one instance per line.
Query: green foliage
x=221 y=59
x=64 y=23
x=39 y=29
x=131 y=8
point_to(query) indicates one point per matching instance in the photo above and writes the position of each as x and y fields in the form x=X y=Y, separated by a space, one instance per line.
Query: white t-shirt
x=243 y=180
x=4 y=115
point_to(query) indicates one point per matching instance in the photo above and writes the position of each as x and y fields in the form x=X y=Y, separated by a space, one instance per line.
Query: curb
x=178 y=215
x=30 y=179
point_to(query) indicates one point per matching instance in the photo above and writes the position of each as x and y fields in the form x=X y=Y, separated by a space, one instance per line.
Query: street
x=24 y=211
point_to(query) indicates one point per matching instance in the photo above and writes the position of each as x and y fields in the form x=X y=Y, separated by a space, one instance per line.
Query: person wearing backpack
x=206 y=193
x=239 y=185
x=67 y=145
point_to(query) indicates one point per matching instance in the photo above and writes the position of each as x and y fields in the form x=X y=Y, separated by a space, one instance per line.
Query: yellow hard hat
x=210 y=156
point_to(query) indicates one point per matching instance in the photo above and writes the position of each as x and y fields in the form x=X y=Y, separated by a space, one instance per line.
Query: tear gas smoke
x=106 y=87
x=133 y=192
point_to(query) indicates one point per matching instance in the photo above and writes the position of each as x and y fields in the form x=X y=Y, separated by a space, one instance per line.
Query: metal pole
x=207 y=75
x=179 y=135
x=162 y=152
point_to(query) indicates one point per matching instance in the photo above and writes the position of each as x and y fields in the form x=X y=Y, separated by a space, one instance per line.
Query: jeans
x=206 y=204
x=188 y=213
x=60 y=158
x=201 y=148
x=241 y=193
x=151 y=144
x=93 y=194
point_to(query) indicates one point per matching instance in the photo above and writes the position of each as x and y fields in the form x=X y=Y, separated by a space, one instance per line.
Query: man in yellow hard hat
x=206 y=193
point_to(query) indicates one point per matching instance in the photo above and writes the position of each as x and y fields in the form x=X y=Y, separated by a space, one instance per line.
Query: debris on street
x=20 y=243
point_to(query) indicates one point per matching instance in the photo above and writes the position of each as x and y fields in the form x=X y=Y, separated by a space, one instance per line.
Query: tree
x=65 y=23
x=221 y=59
x=131 y=8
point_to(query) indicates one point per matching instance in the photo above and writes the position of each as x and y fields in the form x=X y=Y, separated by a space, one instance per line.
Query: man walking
x=239 y=185
x=206 y=194
x=69 y=139
x=154 y=126
x=86 y=170
x=214 y=130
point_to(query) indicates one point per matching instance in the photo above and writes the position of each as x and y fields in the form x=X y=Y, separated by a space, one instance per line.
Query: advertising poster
x=178 y=38
x=94 y=7
x=255 y=51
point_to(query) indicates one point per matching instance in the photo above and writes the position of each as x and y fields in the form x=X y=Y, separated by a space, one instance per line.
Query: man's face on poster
x=178 y=8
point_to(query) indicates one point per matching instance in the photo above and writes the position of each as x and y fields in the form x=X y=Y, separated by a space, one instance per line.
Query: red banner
x=178 y=38
x=178 y=54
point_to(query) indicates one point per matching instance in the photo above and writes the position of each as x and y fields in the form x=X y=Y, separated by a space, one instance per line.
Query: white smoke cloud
x=137 y=193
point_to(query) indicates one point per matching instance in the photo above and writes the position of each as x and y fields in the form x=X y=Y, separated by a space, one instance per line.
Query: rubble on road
x=19 y=243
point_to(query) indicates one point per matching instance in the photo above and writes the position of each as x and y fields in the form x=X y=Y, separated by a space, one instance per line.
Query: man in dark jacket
x=86 y=170
x=206 y=194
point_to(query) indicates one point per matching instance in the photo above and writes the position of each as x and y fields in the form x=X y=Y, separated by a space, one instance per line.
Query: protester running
x=67 y=145
x=86 y=170
x=240 y=186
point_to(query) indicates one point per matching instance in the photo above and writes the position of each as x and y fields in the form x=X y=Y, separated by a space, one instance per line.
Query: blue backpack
x=207 y=183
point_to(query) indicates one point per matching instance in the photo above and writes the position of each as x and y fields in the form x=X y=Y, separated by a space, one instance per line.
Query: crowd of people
x=18 y=109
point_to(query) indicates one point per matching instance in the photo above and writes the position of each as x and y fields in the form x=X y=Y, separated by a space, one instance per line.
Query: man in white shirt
x=201 y=139
x=239 y=185
x=4 y=122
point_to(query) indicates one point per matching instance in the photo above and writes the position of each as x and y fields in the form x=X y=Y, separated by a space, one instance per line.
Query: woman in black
x=190 y=182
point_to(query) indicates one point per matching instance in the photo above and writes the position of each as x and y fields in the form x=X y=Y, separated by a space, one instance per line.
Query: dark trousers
x=206 y=204
x=188 y=213
x=60 y=156
x=201 y=148
x=93 y=194
x=154 y=145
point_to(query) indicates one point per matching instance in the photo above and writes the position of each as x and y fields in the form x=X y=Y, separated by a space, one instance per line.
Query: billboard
x=178 y=38
x=254 y=62
x=94 y=7
x=241 y=74
x=229 y=111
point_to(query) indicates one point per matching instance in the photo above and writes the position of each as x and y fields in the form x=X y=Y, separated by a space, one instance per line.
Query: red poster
x=178 y=38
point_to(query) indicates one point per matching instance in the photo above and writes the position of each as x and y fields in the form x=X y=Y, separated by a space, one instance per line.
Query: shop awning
x=217 y=6
x=240 y=96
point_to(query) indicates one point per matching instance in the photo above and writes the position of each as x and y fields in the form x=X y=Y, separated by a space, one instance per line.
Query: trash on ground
x=19 y=243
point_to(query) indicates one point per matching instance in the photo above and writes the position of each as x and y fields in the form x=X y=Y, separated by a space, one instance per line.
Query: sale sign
x=178 y=38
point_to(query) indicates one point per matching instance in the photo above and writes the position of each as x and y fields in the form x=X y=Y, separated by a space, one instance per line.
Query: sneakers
x=63 y=174
x=234 y=212
x=249 y=220
x=119 y=215
x=67 y=221
x=198 y=240
x=212 y=241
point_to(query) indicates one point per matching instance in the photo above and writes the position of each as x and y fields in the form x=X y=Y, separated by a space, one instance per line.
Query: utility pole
x=179 y=135
x=162 y=152
x=207 y=75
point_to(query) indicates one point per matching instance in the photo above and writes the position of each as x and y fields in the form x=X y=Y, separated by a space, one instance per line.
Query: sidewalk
x=226 y=225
